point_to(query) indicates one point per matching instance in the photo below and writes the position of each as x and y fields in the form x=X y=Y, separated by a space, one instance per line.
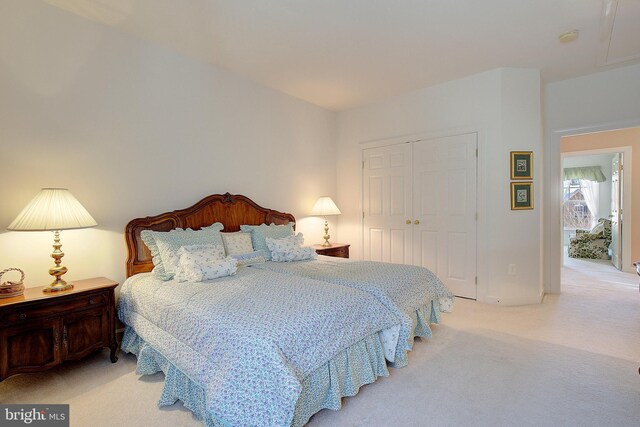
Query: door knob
x=416 y=222
x=408 y=221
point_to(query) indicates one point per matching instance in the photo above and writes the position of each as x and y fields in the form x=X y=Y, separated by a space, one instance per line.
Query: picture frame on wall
x=521 y=195
x=522 y=165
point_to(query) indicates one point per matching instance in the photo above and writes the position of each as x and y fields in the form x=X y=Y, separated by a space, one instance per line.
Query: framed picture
x=522 y=165
x=521 y=195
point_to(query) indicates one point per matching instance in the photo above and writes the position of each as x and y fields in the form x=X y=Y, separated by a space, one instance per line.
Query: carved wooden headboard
x=232 y=210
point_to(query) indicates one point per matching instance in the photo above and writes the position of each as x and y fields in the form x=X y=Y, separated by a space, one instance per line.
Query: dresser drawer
x=60 y=305
x=337 y=250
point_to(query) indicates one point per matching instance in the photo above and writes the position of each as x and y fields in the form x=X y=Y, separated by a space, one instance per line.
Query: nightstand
x=339 y=250
x=40 y=330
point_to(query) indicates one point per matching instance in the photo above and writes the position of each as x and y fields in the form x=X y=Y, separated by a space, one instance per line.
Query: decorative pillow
x=203 y=262
x=289 y=249
x=251 y=258
x=297 y=254
x=261 y=232
x=164 y=245
x=237 y=243
x=285 y=244
x=598 y=228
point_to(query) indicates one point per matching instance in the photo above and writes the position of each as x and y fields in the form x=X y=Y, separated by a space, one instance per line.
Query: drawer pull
x=92 y=300
x=22 y=316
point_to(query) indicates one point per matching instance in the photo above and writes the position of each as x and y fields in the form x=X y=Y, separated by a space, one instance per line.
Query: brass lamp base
x=58 y=270
x=64 y=286
x=326 y=234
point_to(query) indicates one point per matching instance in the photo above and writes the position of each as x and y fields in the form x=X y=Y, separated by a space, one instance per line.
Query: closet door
x=386 y=202
x=444 y=207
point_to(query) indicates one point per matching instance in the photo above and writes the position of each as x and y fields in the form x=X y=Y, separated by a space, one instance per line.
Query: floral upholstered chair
x=594 y=243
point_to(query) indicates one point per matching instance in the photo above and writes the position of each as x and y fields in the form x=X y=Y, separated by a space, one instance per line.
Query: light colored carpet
x=571 y=361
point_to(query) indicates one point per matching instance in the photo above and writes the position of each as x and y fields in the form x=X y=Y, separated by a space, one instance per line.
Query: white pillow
x=237 y=243
x=285 y=243
x=598 y=228
x=289 y=249
x=203 y=262
x=297 y=254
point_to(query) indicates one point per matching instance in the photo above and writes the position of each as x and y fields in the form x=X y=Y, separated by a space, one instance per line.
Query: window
x=579 y=202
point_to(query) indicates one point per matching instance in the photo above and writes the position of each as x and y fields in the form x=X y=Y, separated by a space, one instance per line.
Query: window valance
x=589 y=173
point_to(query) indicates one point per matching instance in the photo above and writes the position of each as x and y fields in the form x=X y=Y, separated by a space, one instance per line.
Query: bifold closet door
x=444 y=207
x=386 y=202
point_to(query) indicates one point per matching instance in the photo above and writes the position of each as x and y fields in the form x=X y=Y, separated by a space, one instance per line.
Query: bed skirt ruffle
x=360 y=364
x=421 y=319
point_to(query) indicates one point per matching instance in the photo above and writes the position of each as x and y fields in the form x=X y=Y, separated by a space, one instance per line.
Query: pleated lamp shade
x=53 y=209
x=325 y=206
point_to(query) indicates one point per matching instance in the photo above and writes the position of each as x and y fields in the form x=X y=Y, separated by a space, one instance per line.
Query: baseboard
x=518 y=300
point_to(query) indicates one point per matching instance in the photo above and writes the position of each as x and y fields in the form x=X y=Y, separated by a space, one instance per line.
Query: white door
x=444 y=206
x=386 y=202
x=616 y=210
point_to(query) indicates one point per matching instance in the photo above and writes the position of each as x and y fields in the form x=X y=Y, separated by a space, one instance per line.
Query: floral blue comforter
x=403 y=289
x=250 y=339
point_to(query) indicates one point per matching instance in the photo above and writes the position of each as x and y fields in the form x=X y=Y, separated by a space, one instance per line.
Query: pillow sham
x=164 y=245
x=203 y=262
x=237 y=243
x=260 y=232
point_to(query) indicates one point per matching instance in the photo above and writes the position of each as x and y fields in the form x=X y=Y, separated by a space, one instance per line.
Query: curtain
x=591 y=191
x=591 y=173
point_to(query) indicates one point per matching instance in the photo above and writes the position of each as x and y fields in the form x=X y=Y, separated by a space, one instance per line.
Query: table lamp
x=54 y=209
x=323 y=207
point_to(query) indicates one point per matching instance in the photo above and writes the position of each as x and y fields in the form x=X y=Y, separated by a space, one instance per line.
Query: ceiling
x=340 y=54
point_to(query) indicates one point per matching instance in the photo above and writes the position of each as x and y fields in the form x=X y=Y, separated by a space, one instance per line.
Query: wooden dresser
x=40 y=330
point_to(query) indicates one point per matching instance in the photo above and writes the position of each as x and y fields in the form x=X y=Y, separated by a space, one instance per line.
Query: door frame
x=626 y=196
x=482 y=234
x=552 y=260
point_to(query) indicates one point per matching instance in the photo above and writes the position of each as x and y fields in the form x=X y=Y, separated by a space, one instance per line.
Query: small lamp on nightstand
x=54 y=209
x=323 y=207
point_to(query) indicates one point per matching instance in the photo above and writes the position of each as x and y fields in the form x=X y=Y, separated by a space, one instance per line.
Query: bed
x=262 y=347
x=414 y=294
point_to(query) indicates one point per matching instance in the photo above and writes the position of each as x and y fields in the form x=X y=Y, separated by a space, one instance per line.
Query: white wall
x=133 y=129
x=597 y=102
x=503 y=106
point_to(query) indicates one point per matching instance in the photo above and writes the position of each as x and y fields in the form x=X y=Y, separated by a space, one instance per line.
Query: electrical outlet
x=512 y=269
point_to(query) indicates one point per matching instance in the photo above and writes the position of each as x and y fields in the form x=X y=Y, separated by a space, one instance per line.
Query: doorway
x=592 y=202
x=614 y=152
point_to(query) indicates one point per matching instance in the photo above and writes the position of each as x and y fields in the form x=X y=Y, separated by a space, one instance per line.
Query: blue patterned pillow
x=164 y=246
x=203 y=262
x=289 y=249
x=262 y=231
x=237 y=243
